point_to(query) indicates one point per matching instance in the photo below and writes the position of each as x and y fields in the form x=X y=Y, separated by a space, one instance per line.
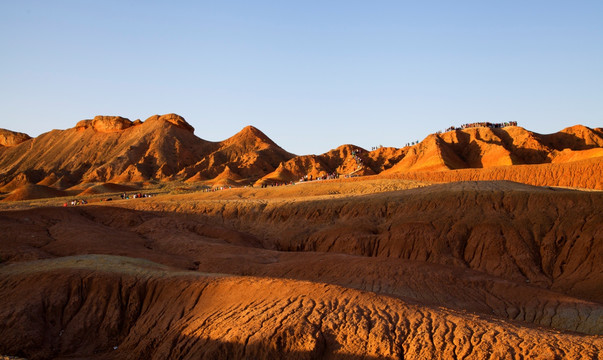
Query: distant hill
x=113 y=149
x=249 y=154
x=471 y=148
x=346 y=159
x=484 y=147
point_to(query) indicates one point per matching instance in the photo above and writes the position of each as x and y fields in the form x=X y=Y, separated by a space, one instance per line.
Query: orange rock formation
x=115 y=149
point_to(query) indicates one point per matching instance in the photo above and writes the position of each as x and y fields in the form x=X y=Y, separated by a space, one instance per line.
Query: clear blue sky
x=312 y=75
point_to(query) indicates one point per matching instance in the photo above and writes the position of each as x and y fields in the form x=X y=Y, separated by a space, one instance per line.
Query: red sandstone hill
x=484 y=147
x=572 y=157
x=115 y=149
x=587 y=174
x=471 y=148
x=248 y=154
x=344 y=160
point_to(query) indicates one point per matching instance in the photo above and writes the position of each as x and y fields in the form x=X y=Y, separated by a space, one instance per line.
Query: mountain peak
x=249 y=135
x=173 y=119
x=251 y=131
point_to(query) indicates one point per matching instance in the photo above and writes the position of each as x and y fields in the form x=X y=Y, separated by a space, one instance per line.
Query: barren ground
x=344 y=269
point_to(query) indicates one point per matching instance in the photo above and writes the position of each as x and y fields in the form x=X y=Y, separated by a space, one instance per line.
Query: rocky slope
x=115 y=149
x=484 y=147
x=247 y=155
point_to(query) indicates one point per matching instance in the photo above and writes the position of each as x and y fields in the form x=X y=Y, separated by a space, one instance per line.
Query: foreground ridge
x=245 y=317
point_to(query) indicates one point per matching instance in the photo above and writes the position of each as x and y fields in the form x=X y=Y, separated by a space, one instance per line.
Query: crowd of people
x=277 y=183
x=329 y=176
x=75 y=202
x=356 y=156
x=463 y=126
x=481 y=124
x=217 y=188
x=125 y=196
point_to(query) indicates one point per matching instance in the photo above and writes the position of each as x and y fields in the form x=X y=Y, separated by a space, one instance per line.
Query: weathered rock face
x=12 y=138
x=113 y=149
x=105 y=124
x=16 y=182
x=577 y=137
x=472 y=148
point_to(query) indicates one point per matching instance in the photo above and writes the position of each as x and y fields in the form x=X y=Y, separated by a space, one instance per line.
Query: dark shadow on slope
x=522 y=155
x=562 y=140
